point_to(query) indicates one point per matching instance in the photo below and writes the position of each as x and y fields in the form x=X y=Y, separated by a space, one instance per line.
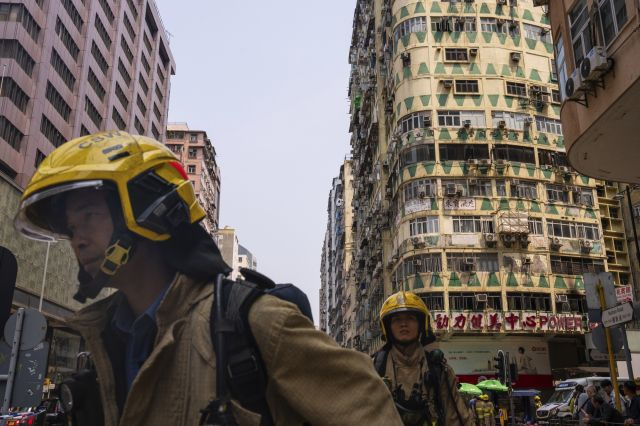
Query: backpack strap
x=244 y=372
x=380 y=360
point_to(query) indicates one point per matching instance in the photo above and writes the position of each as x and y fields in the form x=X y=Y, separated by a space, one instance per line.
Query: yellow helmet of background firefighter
x=537 y=398
x=153 y=189
x=484 y=397
x=406 y=301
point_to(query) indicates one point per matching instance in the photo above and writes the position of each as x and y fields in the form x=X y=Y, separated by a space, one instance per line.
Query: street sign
x=624 y=294
x=34 y=329
x=600 y=342
x=617 y=315
x=591 y=281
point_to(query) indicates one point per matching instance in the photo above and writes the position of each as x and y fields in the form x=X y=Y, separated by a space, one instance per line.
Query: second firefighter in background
x=423 y=385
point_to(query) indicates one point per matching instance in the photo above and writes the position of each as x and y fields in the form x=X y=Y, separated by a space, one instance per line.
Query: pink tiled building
x=196 y=152
x=75 y=67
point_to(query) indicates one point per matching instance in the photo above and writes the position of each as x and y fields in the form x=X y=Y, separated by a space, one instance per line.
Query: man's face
x=404 y=327
x=608 y=388
x=590 y=392
x=90 y=225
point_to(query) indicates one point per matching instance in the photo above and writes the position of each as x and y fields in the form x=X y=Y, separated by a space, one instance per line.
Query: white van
x=558 y=405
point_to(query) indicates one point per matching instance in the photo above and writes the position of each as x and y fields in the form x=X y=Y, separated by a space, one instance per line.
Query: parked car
x=55 y=415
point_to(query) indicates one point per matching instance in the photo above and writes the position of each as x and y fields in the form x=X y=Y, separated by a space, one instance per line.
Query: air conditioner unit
x=469 y=261
x=586 y=244
x=451 y=190
x=482 y=297
x=501 y=2
x=418 y=133
x=535 y=89
x=502 y=124
x=513 y=24
x=461 y=190
x=515 y=182
x=490 y=237
x=564 y=169
x=562 y=298
x=427 y=121
x=473 y=51
x=526 y=261
x=554 y=242
x=501 y=162
x=593 y=64
x=466 y=123
x=472 y=162
x=528 y=121
x=447 y=84
x=473 y=181
x=485 y=162
x=546 y=166
x=525 y=239
x=515 y=56
x=415 y=240
x=574 y=86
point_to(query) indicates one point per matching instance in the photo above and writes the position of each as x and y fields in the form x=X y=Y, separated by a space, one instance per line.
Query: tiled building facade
x=462 y=189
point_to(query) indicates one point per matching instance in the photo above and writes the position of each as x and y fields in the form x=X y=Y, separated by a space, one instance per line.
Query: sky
x=267 y=81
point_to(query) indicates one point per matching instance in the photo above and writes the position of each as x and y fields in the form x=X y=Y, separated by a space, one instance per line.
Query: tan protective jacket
x=408 y=369
x=311 y=379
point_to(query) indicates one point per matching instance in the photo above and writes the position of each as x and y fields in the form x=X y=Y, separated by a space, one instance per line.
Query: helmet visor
x=41 y=215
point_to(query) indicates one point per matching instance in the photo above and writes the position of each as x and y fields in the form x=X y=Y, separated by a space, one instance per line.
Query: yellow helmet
x=406 y=301
x=153 y=189
x=484 y=397
x=537 y=397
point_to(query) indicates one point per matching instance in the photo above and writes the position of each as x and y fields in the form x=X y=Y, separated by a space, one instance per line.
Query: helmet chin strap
x=120 y=250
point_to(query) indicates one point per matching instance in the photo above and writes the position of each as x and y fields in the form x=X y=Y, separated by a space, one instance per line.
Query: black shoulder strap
x=245 y=372
x=380 y=361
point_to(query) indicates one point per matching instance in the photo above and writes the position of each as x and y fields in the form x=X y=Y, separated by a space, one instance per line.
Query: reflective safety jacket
x=311 y=378
x=480 y=409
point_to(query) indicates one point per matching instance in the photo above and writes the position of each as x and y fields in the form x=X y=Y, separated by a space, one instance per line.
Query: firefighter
x=489 y=411
x=479 y=409
x=423 y=385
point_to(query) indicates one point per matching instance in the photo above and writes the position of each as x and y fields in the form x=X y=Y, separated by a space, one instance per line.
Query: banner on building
x=459 y=204
x=507 y=321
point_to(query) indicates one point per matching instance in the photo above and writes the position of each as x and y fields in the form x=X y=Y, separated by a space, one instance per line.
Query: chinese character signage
x=624 y=294
x=459 y=204
x=507 y=321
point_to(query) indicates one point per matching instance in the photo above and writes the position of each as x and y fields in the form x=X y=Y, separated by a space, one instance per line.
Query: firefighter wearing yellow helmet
x=423 y=385
x=131 y=217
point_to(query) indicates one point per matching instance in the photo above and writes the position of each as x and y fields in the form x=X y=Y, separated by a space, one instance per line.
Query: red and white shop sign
x=506 y=321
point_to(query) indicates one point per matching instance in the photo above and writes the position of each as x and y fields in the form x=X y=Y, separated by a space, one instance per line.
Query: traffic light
x=513 y=372
x=500 y=366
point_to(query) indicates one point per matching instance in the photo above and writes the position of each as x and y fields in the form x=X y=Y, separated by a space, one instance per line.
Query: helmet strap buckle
x=116 y=255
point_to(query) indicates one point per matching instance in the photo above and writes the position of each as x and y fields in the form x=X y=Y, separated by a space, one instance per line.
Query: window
x=556 y=98
x=501 y=188
x=491 y=25
x=588 y=231
x=147 y=42
x=512 y=120
x=424 y=225
x=548 y=125
x=416 y=120
x=569 y=265
x=417 y=154
x=122 y=97
x=133 y=8
x=93 y=113
x=552 y=158
x=564 y=229
x=421 y=188
x=193 y=138
x=157 y=112
x=67 y=39
x=534 y=32
x=123 y=72
x=583 y=196
x=467 y=302
x=19 y=13
x=99 y=57
x=94 y=82
x=143 y=85
x=83 y=130
x=456 y=55
x=480 y=188
x=613 y=16
x=467 y=86
x=529 y=302
x=154 y=131
x=553 y=69
x=516 y=89
x=159 y=93
x=473 y=224
x=561 y=66
x=580 y=30
x=127 y=50
x=50 y=132
x=12 y=49
x=191 y=169
x=10 y=133
x=102 y=31
x=141 y=105
x=63 y=71
x=449 y=118
x=576 y=303
x=117 y=118
x=524 y=189
x=514 y=153
x=481 y=262
x=73 y=14
x=160 y=73
x=57 y=101
x=12 y=90
x=138 y=125
x=145 y=63
x=39 y=158
x=463 y=152
x=535 y=226
x=636 y=211
x=465 y=24
x=413 y=25
x=422 y=264
x=107 y=10
x=434 y=301
x=193 y=152
x=557 y=193
x=129 y=27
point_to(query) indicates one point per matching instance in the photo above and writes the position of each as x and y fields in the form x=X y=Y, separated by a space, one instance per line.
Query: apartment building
x=462 y=190
x=197 y=154
x=246 y=259
x=597 y=44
